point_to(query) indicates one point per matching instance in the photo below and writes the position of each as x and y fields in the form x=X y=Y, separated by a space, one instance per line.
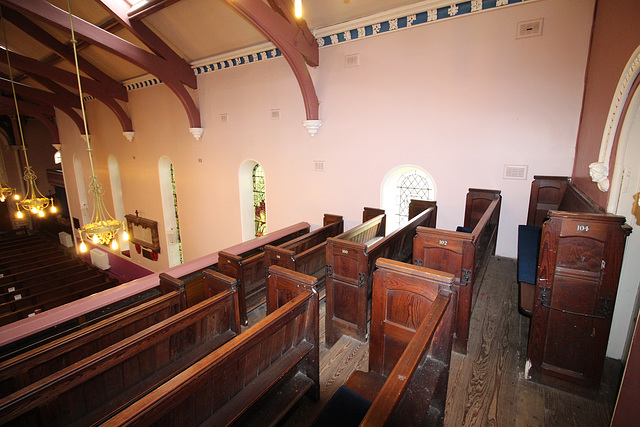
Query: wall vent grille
x=319 y=165
x=351 y=61
x=529 y=28
x=515 y=172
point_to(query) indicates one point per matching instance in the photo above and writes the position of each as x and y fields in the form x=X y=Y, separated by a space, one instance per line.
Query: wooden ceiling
x=120 y=40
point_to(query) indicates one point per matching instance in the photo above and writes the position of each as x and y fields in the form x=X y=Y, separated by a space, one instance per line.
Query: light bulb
x=34 y=210
x=2 y=198
x=40 y=214
x=297 y=8
x=19 y=215
x=53 y=209
x=16 y=197
x=83 y=247
x=114 y=244
x=95 y=239
x=125 y=236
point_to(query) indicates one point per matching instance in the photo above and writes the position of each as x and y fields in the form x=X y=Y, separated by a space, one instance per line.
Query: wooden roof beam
x=111 y=86
x=173 y=73
x=294 y=40
x=120 y=9
x=63 y=102
x=47 y=73
x=26 y=109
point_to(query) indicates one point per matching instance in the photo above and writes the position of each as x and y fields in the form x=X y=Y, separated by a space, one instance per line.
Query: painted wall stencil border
x=386 y=25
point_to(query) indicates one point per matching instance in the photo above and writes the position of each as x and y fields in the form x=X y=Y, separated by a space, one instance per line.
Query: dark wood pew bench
x=409 y=354
x=249 y=271
x=193 y=280
x=548 y=193
x=254 y=379
x=8 y=279
x=351 y=258
x=572 y=298
x=100 y=385
x=32 y=365
x=464 y=253
x=306 y=254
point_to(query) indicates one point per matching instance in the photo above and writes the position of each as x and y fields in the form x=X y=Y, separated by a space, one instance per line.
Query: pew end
x=464 y=254
x=409 y=354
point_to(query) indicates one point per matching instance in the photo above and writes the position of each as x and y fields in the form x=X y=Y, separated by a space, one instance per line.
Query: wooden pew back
x=412 y=349
x=35 y=364
x=463 y=254
x=283 y=285
x=403 y=294
x=552 y=193
x=409 y=355
x=351 y=260
x=249 y=270
x=234 y=383
x=306 y=253
x=100 y=384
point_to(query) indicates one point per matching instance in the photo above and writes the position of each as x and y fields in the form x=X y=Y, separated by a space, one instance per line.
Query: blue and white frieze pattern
x=428 y=16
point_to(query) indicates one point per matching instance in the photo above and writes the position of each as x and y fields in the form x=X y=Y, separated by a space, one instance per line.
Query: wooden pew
x=307 y=253
x=102 y=384
x=548 y=193
x=464 y=254
x=31 y=264
x=351 y=260
x=48 y=269
x=33 y=305
x=409 y=354
x=35 y=364
x=248 y=269
x=35 y=286
x=579 y=269
x=253 y=379
x=29 y=254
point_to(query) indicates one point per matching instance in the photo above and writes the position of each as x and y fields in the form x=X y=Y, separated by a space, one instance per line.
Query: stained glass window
x=175 y=207
x=259 y=207
x=412 y=184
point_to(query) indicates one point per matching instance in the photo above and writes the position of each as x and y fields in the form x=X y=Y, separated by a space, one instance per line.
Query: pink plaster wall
x=460 y=98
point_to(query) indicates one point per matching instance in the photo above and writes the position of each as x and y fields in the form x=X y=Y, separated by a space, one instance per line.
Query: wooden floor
x=487 y=386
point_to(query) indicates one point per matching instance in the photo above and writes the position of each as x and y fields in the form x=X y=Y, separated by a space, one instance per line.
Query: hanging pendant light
x=297 y=8
x=103 y=228
x=34 y=201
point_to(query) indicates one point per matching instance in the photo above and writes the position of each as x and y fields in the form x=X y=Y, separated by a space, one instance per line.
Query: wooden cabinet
x=578 y=273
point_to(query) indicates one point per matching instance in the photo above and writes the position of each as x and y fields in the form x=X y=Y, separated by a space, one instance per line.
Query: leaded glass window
x=175 y=207
x=412 y=184
x=259 y=207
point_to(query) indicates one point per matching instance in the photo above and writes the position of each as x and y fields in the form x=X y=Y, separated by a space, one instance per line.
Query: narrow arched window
x=169 y=199
x=259 y=205
x=57 y=157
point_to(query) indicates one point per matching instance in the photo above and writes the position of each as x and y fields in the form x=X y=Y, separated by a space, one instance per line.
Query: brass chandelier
x=34 y=201
x=103 y=228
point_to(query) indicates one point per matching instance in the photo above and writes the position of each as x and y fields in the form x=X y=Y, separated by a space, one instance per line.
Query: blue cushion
x=528 y=250
x=464 y=229
x=344 y=409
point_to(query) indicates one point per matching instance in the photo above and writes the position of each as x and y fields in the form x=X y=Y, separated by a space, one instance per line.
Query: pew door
x=580 y=261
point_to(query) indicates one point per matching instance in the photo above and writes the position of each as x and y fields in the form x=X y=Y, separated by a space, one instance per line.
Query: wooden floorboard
x=487 y=386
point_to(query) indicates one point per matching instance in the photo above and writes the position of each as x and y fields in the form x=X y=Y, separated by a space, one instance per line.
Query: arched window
x=399 y=187
x=116 y=194
x=169 y=199
x=57 y=158
x=259 y=205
